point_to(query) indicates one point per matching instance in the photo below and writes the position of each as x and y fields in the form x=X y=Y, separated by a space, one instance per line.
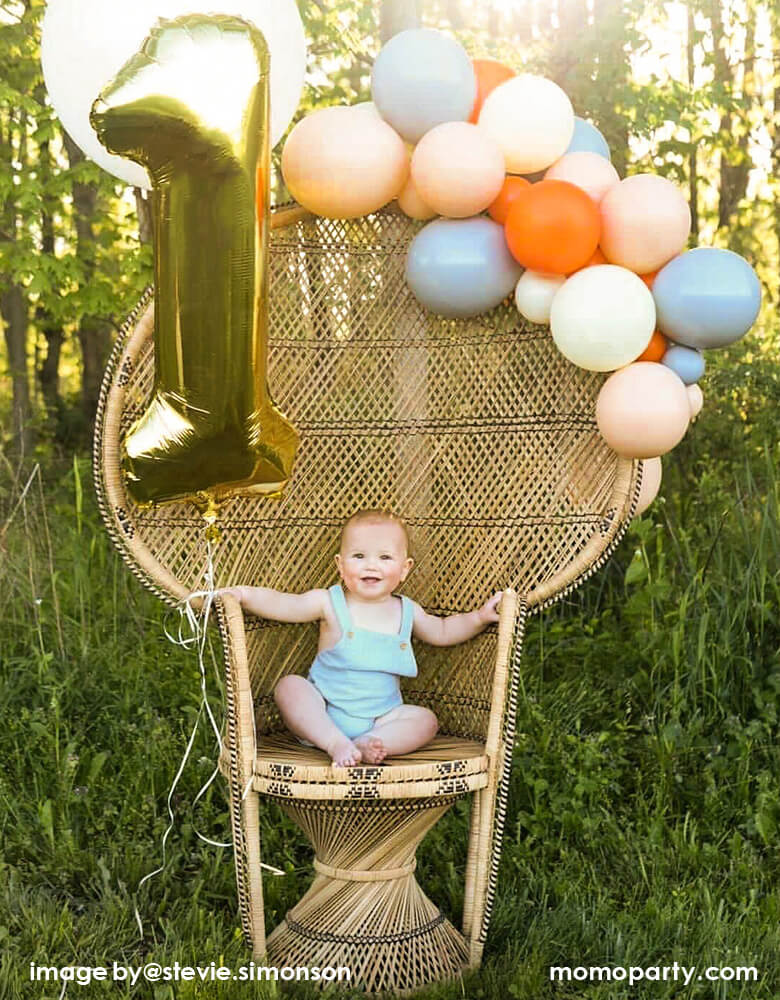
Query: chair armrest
x=240 y=707
x=506 y=626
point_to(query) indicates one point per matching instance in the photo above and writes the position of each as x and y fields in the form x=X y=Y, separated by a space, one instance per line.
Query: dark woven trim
x=234 y=783
x=362 y=428
x=502 y=795
x=363 y=939
x=290 y=806
x=109 y=520
x=262 y=523
x=425 y=340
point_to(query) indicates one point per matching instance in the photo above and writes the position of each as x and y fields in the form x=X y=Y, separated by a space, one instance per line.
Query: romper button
x=403 y=645
x=350 y=635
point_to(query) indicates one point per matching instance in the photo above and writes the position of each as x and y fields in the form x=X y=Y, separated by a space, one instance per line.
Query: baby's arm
x=455 y=628
x=278 y=606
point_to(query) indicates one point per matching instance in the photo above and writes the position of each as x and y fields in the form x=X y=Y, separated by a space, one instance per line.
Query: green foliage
x=644 y=814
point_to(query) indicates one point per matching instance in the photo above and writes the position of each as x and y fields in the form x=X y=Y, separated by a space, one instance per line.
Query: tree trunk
x=611 y=22
x=143 y=207
x=13 y=301
x=398 y=15
x=776 y=132
x=734 y=162
x=48 y=371
x=14 y=310
x=94 y=333
x=693 y=165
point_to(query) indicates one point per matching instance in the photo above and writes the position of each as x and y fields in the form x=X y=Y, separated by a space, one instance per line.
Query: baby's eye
x=357 y=555
x=385 y=557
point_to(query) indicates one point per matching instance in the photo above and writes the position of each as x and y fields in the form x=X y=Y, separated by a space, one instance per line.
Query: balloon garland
x=602 y=260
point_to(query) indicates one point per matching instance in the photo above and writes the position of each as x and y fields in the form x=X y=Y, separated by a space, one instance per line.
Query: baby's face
x=373 y=559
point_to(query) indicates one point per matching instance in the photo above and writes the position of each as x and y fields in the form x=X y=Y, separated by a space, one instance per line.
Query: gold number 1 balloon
x=192 y=107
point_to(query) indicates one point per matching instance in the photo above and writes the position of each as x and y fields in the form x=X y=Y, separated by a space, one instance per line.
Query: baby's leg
x=400 y=730
x=304 y=712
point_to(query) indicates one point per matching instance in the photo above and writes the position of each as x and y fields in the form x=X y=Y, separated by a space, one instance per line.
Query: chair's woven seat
x=446 y=766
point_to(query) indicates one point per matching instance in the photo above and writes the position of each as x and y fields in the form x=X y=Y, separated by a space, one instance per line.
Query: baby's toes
x=372 y=748
x=346 y=754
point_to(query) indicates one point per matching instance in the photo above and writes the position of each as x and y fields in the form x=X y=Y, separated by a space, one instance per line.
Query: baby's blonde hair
x=374 y=515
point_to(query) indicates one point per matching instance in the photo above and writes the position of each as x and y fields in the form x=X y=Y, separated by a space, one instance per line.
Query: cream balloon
x=589 y=171
x=695 y=399
x=84 y=43
x=645 y=221
x=458 y=169
x=531 y=119
x=651 y=483
x=603 y=317
x=642 y=411
x=534 y=295
x=342 y=163
x=411 y=204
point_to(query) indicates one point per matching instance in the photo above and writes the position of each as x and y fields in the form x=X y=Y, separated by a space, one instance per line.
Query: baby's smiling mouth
x=370 y=579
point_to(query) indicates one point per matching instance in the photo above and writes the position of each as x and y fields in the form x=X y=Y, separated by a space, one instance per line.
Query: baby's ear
x=408 y=568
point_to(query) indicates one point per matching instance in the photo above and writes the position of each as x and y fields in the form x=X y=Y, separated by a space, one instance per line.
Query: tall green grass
x=643 y=818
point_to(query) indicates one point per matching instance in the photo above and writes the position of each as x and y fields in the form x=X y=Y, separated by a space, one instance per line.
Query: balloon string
x=197 y=625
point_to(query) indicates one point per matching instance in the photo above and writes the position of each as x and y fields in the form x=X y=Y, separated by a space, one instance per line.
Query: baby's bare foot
x=345 y=753
x=372 y=748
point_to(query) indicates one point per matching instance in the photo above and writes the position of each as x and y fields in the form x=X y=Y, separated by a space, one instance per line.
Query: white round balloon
x=534 y=295
x=695 y=399
x=603 y=317
x=84 y=44
x=531 y=119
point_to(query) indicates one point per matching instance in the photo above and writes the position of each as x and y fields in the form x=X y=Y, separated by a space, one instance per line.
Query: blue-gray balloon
x=587 y=139
x=706 y=298
x=461 y=267
x=686 y=362
x=422 y=78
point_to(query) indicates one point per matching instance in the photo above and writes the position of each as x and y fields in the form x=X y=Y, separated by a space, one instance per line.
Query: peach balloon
x=411 y=204
x=649 y=278
x=651 y=483
x=656 y=349
x=597 y=258
x=695 y=399
x=589 y=171
x=642 y=410
x=457 y=169
x=344 y=162
x=499 y=209
x=645 y=221
x=489 y=74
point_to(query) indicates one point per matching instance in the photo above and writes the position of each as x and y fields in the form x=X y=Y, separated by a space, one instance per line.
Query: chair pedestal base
x=364 y=909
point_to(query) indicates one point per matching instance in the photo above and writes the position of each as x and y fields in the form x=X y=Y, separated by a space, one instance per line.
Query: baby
x=350 y=705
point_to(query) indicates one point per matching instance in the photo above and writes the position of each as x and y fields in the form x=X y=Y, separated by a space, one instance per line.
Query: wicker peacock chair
x=482 y=437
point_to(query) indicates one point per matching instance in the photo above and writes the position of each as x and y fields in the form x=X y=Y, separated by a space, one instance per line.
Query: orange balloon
x=649 y=278
x=656 y=349
x=597 y=258
x=499 y=209
x=489 y=74
x=553 y=226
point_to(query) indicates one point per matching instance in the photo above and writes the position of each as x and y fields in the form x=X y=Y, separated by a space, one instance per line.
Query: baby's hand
x=489 y=611
x=229 y=592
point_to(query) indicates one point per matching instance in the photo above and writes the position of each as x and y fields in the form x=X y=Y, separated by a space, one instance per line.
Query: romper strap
x=407 y=618
x=340 y=607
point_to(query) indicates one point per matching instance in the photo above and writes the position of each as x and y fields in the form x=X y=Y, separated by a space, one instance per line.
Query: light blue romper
x=359 y=676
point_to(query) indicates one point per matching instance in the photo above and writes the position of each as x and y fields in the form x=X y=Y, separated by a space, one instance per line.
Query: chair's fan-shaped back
x=477 y=432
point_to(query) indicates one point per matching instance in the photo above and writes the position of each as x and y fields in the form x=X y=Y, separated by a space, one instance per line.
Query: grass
x=643 y=824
